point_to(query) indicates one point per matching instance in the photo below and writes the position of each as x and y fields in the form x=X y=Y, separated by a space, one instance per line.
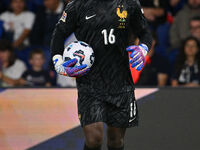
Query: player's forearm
x=64 y=28
x=57 y=42
x=145 y=37
x=140 y=26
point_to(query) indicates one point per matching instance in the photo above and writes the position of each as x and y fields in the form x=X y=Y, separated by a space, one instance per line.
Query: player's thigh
x=125 y=115
x=90 y=109
x=94 y=133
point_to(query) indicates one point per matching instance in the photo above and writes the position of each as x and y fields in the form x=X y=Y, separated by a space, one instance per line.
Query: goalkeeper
x=105 y=91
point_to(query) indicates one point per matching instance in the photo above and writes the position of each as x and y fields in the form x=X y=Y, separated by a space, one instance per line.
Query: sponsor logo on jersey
x=122 y=14
x=64 y=16
x=89 y=17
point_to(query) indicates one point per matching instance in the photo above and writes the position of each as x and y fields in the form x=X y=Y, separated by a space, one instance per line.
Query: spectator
x=180 y=28
x=156 y=70
x=11 y=67
x=175 y=6
x=46 y=19
x=155 y=11
x=18 y=23
x=195 y=27
x=36 y=76
x=187 y=69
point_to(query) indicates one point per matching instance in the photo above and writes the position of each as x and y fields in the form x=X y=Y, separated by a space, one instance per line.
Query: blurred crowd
x=26 y=27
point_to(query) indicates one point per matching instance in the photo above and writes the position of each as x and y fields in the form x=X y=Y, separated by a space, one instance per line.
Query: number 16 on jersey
x=109 y=37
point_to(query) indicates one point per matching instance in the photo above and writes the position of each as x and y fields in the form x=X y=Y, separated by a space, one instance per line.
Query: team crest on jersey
x=122 y=14
x=64 y=16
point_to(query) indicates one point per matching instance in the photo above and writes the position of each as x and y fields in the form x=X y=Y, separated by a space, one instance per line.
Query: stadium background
x=31 y=117
x=48 y=120
x=29 y=24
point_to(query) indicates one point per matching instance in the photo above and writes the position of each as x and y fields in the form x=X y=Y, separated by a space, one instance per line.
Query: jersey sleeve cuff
x=145 y=47
x=57 y=59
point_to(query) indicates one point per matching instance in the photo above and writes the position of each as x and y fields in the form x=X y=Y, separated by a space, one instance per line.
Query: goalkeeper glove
x=138 y=54
x=67 y=68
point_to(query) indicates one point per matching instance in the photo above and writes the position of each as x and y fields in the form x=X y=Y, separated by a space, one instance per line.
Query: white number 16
x=108 y=38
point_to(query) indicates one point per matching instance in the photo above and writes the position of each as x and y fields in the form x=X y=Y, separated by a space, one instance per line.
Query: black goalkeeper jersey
x=106 y=25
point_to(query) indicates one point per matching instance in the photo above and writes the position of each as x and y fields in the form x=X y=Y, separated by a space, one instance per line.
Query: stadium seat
x=1 y=29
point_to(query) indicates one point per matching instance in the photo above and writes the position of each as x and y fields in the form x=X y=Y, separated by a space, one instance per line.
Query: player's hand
x=138 y=54
x=67 y=68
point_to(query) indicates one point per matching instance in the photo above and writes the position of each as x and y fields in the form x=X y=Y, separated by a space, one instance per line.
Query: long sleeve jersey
x=107 y=26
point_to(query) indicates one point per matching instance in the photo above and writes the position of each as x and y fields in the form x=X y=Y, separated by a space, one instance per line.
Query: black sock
x=110 y=148
x=87 y=148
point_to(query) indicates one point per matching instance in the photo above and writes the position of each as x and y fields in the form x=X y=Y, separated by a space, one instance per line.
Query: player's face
x=37 y=60
x=4 y=56
x=191 y=48
x=17 y=6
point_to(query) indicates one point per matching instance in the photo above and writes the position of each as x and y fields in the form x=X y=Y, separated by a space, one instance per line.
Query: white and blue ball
x=81 y=51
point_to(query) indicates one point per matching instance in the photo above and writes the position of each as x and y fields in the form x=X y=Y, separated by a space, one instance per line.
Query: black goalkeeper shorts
x=93 y=108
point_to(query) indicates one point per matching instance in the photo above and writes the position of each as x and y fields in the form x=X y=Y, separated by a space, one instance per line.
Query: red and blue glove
x=67 y=68
x=138 y=54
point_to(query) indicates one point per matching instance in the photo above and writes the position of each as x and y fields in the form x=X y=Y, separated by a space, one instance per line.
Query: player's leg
x=91 y=114
x=115 y=138
x=93 y=136
x=120 y=117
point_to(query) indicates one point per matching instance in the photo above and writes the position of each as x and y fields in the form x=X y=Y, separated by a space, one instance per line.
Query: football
x=80 y=50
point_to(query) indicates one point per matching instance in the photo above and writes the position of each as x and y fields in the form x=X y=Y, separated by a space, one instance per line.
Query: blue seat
x=1 y=29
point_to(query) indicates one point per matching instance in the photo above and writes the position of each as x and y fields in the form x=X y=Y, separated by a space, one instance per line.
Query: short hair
x=36 y=51
x=5 y=45
x=196 y=18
